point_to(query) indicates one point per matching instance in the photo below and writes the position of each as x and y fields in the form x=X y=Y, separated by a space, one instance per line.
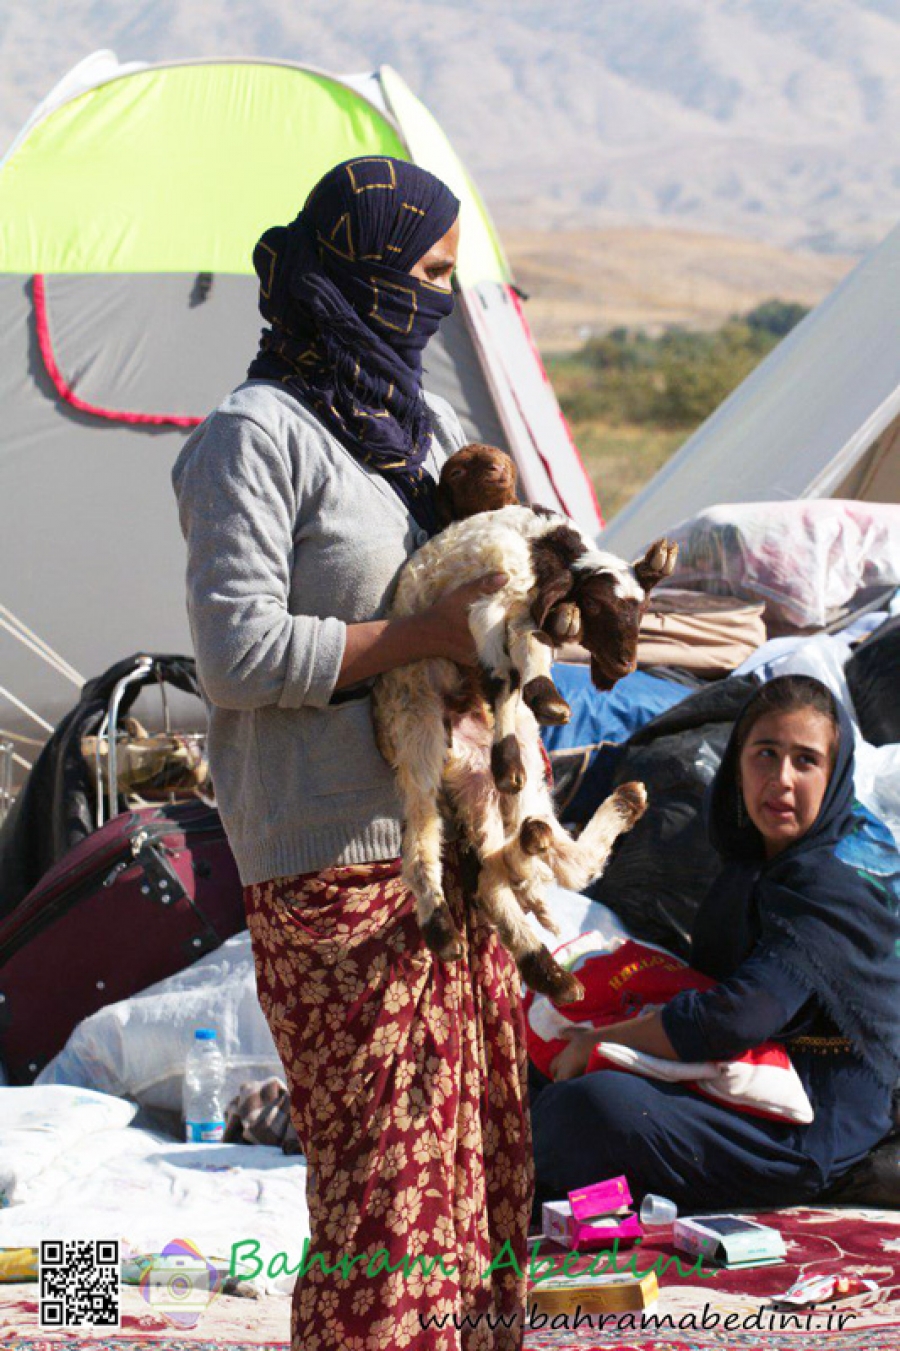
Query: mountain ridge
x=779 y=121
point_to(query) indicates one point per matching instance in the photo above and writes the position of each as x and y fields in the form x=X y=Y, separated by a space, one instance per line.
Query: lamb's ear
x=658 y=562
x=550 y=591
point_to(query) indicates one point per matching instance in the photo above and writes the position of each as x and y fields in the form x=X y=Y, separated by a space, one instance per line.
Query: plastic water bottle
x=204 y=1087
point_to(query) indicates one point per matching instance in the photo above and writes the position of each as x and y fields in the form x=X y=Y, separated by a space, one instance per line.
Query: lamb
x=469 y=734
x=480 y=478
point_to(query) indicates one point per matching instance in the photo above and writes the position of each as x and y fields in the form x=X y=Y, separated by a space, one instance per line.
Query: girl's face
x=785 y=765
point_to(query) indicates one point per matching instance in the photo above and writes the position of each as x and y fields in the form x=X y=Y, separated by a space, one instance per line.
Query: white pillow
x=38 y=1124
x=762 y=1082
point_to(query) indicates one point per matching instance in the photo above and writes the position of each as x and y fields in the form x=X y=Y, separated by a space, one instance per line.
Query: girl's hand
x=446 y=622
x=582 y=1039
x=572 y=1062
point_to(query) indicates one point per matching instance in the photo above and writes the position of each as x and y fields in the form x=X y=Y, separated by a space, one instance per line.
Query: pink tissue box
x=593 y=1216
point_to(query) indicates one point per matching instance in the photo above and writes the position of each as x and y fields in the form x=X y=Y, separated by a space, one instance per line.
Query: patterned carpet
x=884 y=1339
x=818 y=1242
x=864 y=1243
x=837 y=1241
x=140 y=1344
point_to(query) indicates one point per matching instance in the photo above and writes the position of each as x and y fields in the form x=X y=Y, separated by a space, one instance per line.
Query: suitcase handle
x=145 y=668
x=111 y=720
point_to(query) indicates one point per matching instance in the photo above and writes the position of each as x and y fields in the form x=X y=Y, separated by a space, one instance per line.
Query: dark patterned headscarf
x=348 y=322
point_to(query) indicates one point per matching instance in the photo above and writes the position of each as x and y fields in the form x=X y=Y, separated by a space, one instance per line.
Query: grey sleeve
x=237 y=506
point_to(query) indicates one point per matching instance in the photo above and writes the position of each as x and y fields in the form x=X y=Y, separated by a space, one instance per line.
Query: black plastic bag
x=873 y=679
x=661 y=870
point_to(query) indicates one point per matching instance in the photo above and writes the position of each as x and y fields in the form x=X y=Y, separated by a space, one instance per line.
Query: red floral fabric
x=407 y=1078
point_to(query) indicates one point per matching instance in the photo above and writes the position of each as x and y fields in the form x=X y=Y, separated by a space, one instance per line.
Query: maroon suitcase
x=140 y=899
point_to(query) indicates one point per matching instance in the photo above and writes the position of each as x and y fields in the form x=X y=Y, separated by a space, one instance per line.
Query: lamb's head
x=477 y=478
x=612 y=597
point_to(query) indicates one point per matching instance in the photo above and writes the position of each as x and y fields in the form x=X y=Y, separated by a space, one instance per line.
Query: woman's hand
x=445 y=624
x=440 y=631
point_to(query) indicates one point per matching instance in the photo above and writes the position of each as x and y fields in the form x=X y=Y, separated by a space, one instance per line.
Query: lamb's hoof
x=442 y=936
x=506 y=765
x=544 y=975
x=631 y=800
x=535 y=836
x=546 y=702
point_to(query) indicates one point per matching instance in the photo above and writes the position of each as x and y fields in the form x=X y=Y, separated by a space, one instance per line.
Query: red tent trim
x=65 y=390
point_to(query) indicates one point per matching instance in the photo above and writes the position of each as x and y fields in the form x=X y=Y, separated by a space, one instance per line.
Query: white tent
x=820 y=417
x=129 y=207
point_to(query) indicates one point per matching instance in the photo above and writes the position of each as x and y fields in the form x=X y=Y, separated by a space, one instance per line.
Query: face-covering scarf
x=822 y=920
x=348 y=322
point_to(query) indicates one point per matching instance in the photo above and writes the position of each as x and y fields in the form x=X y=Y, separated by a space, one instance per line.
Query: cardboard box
x=615 y=1293
x=593 y=1216
x=729 y=1240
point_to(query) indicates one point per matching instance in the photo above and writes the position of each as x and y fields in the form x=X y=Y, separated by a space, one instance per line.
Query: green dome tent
x=129 y=206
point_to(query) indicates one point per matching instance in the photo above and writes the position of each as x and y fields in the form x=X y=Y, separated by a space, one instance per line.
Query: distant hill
x=584 y=282
x=775 y=119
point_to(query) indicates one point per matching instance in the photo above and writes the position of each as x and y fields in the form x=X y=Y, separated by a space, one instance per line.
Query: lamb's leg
x=481 y=812
x=502 y=683
x=528 y=834
x=576 y=863
x=506 y=754
x=526 y=662
x=538 y=690
x=537 y=966
x=422 y=873
x=418 y=753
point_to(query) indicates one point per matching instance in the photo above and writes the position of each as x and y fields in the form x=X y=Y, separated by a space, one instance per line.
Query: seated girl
x=806 y=953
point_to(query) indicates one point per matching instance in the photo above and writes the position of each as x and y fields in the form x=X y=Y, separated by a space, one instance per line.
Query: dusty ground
x=585 y=282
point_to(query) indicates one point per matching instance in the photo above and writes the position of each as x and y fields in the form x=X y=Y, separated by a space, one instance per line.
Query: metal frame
x=6 y=764
x=111 y=720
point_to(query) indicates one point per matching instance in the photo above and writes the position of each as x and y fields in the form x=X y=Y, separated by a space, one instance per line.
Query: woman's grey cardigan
x=290 y=539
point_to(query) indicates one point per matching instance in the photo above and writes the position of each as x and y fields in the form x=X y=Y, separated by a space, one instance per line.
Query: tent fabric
x=228 y=177
x=550 y=469
x=112 y=195
x=64 y=388
x=91 y=555
x=127 y=158
x=820 y=417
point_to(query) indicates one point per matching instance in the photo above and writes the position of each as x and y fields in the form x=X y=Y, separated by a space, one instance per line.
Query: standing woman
x=300 y=498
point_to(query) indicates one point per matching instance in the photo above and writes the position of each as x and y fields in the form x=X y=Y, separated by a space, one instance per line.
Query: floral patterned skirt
x=407 y=1079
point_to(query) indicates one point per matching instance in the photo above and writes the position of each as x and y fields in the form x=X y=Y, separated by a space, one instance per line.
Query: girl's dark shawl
x=823 y=921
x=347 y=320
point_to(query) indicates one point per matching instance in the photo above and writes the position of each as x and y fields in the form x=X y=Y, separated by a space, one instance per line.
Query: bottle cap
x=205 y=1034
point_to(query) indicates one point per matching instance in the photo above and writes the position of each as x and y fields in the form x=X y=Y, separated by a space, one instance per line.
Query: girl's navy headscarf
x=348 y=322
x=822 y=920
